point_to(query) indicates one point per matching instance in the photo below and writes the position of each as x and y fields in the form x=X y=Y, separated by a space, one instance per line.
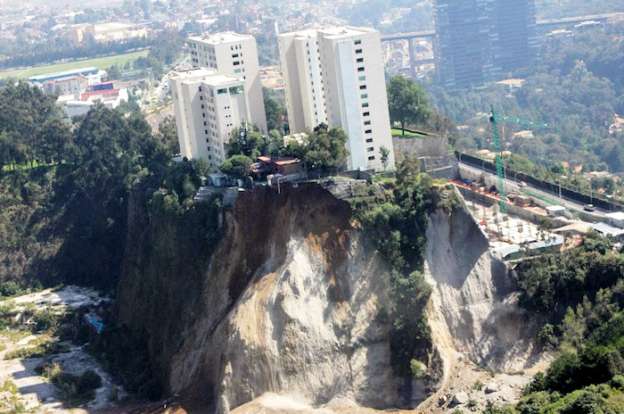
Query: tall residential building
x=336 y=75
x=208 y=107
x=482 y=40
x=235 y=55
x=301 y=67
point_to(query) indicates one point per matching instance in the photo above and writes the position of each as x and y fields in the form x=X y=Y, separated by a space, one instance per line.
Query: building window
x=370 y=149
x=371 y=158
x=366 y=113
x=362 y=87
x=361 y=69
x=358 y=51
x=365 y=105
x=364 y=96
x=236 y=90
x=368 y=131
x=357 y=42
x=369 y=140
x=367 y=123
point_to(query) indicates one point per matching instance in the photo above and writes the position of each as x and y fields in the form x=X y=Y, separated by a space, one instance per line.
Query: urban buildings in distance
x=78 y=90
x=483 y=40
x=336 y=76
x=208 y=106
x=236 y=55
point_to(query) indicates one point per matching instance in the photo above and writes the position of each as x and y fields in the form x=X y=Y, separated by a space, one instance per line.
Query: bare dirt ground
x=22 y=387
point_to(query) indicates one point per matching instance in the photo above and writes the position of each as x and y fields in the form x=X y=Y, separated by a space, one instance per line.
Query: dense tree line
x=548 y=9
x=75 y=183
x=397 y=226
x=31 y=128
x=410 y=107
x=323 y=150
x=568 y=101
x=38 y=54
x=580 y=294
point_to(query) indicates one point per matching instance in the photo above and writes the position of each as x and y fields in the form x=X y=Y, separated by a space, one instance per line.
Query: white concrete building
x=235 y=55
x=336 y=75
x=68 y=82
x=208 y=106
x=301 y=69
x=80 y=105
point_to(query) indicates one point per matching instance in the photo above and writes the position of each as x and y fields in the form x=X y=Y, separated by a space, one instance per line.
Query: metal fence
x=547 y=186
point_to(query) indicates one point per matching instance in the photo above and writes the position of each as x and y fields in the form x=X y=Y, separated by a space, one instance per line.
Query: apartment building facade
x=301 y=68
x=208 y=106
x=236 y=55
x=336 y=76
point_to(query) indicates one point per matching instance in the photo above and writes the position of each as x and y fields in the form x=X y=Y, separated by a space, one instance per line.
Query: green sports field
x=101 y=63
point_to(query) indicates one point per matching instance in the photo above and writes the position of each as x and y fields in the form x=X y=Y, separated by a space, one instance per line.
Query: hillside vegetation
x=64 y=189
x=581 y=292
x=568 y=100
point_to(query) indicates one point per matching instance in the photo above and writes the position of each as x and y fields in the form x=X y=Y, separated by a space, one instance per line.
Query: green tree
x=247 y=141
x=275 y=146
x=407 y=102
x=237 y=166
x=27 y=118
x=113 y=72
x=55 y=141
x=398 y=227
x=275 y=111
x=385 y=156
x=168 y=135
x=325 y=149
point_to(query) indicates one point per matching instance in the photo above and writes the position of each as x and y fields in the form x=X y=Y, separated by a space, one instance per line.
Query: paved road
x=512 y=185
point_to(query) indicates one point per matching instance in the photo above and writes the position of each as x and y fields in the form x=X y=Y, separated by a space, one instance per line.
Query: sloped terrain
x=482 y=335
x=290 y=302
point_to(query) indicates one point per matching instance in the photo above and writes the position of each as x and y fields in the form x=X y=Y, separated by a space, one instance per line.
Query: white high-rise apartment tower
x=301 y=68
x=336 y=75
x=236 y=55
x=208 y=107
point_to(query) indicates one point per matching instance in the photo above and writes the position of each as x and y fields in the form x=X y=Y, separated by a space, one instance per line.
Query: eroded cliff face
x=480 y=332
x=288 y=303
x=474 y=297
x=283 y=308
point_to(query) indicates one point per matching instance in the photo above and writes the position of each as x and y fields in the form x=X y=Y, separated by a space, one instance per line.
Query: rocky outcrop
x=289 y=301
x=280 y=306
x=474 y=299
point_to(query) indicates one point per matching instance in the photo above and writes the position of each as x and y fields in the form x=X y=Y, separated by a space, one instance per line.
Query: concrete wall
x=420 y=147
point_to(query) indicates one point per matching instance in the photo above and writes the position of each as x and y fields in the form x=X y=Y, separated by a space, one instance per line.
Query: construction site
x=513 y=231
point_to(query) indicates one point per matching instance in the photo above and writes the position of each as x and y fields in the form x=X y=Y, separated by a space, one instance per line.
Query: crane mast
x=500 y=167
